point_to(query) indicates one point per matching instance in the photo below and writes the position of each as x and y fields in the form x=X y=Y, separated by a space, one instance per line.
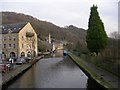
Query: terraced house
x=18 y=40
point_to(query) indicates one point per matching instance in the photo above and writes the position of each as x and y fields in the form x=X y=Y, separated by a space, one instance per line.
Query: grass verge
x=90 y=73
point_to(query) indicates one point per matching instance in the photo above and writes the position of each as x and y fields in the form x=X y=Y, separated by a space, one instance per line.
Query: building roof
x=13 y=28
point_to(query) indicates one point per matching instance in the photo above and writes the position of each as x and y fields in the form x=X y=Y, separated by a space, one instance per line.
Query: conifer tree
x=96 y=38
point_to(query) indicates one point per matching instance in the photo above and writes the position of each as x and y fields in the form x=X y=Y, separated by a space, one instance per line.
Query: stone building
x=18 y=40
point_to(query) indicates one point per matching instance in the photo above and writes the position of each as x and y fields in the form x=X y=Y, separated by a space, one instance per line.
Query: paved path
x=105 y=75
x=6 y=77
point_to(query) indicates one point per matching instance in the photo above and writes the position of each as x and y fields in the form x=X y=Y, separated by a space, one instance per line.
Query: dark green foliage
x=96 y=38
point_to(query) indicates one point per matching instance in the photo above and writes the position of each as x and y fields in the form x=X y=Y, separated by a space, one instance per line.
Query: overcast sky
x=66 y=12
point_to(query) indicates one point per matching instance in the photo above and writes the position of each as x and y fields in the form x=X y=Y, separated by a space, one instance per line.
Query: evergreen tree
x=96 y=38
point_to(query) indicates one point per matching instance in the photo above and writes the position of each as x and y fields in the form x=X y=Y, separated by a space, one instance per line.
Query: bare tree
x=115 y=35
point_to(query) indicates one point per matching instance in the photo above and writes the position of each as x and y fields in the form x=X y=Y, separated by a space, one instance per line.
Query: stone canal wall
x=103 y=77
x=12 y=75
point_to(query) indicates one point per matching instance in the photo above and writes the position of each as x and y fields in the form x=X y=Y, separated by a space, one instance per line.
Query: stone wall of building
x=27 y=42
x=21 y=43
x=10 y=44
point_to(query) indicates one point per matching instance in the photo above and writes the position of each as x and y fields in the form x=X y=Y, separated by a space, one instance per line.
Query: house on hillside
x=18 y=40
x=58 y=45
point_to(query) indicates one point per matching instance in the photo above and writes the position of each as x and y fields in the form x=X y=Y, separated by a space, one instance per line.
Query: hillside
x=43 y=27
x=70 y=33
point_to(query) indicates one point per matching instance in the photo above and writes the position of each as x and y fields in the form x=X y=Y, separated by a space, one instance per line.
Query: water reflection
x=66 y=63
x=93 y=84
x=54 y=73
x=58 y=53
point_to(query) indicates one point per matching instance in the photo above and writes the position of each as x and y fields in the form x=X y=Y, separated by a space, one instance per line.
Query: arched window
x=12 y=54
x=22 y=54
x=28 y=54
x=3 y=55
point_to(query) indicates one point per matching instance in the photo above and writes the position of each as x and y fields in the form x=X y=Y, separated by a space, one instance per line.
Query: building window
x=4 y=45
x=22 y=54
x=22 y=45
x=10 y=38
x=27 y=46
x=10 y=45
x=4 y=38
x=14 y=38
x=12 y=54
x=22 y=37
x=30 y=46
x=13 y=45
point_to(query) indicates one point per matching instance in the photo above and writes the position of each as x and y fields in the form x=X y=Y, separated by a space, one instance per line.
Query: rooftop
x=13 y=28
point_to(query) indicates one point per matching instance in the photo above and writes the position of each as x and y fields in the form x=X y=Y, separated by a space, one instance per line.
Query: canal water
x=56 y=72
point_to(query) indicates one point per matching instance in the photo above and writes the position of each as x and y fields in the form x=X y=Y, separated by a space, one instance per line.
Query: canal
x=56 y=72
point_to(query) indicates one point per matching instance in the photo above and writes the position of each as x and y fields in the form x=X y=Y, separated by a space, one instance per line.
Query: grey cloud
x=66 y=12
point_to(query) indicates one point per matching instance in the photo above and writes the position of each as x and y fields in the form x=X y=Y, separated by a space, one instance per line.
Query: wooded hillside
x=69 y=33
